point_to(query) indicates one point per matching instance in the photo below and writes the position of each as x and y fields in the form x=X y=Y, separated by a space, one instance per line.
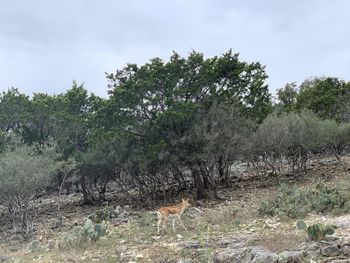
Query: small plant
x=93 y=232
x=103 y=215
x=317 y=231
x=88 y=233
x=292 y=202
x=35 y=246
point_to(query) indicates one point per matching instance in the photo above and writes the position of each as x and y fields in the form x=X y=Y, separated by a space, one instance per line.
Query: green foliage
x=160 y=109
x=25 y=171
x=14 y=110
x=291 y=202
x=81 y=235
x=293 y=138
x=317 y=232
x=327 y=97
x=301 y=224
x=103 y=215
x=287 y=97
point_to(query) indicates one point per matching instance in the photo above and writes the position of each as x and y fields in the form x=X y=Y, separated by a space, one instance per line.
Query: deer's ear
x=183 y=200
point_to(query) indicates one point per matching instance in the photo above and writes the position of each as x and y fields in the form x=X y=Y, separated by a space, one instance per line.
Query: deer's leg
x=165 y=221
x=179 y=217
x=173 y=223
x=159 y=223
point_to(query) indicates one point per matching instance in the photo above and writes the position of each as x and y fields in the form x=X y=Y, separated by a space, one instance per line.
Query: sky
x=46 y=44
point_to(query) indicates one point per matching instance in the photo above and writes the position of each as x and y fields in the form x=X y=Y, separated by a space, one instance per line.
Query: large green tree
x=156 y=105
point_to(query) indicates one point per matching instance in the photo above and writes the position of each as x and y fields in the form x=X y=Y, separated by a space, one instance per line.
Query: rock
x=119 y=221
x=332 y=238
x=229 y=242
x=194 y=213
x=261 y=255
x=311 y=249
x=230 y=256
x=330 y=250
x=291 y=257
x=3 y=258
x=346 y=241
x=345 y=250
x=193 y=244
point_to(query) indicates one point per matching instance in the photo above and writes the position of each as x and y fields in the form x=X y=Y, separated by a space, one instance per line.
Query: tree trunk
x=199 y=183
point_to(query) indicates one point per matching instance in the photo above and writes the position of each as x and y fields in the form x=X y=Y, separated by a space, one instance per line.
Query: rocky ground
x=226 y=231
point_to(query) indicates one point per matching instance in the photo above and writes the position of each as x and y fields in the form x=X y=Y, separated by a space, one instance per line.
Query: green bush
x=291 y=202
x=24 y=172
x=81 y=235
x=103 y=215
x=283 y=143
x=317 y=231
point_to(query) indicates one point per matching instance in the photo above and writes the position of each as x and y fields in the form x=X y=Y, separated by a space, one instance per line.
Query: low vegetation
x=294 y=202
x=317 y=232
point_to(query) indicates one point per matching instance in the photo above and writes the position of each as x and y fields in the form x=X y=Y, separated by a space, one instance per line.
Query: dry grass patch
x=278 y=241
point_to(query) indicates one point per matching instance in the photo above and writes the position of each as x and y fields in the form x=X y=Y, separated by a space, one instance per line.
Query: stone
x=193 y=244
x=230 y=256
x=228 y=242
x=345 y=250
x=119 y=221
x=330 y=250
x=3 y=258
x=291 y=256
x=194 y=213
x=261 y=255
x=346 y=241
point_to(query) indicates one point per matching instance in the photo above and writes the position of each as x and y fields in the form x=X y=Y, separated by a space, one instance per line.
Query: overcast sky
x=46 y=44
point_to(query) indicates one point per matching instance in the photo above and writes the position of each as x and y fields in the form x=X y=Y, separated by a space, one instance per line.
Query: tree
x=13 y=110
x=220 y=136
x=42 y=118
x=155 y=106
x=327 y=97
x=74 y=118
x=287 y=97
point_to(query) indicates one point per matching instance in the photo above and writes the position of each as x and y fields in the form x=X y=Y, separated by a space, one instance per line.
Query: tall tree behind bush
x=155 y=105
x=328 y=97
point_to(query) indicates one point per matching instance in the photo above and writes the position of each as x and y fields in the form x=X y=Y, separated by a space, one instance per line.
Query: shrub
x=35 y=246
x=317 y=231
x=81 y=235
x=287 y=141
x=291 y=202
x=103 y=215
x=24 y=171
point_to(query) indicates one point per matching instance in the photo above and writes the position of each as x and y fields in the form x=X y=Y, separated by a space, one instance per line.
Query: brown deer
x=173 y=212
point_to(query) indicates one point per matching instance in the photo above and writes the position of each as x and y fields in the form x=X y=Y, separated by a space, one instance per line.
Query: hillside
x=216 y=231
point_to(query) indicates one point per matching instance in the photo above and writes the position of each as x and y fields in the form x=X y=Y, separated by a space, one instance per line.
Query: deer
x=171 y=212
